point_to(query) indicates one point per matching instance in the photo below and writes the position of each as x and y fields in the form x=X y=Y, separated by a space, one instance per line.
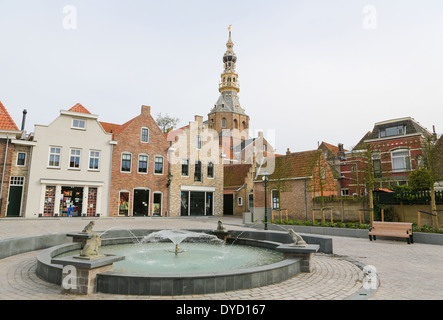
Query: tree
x=166 y=122
x=420 y=180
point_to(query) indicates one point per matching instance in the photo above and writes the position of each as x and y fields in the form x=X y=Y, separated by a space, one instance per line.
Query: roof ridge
x=79 y=108
x=6 y=121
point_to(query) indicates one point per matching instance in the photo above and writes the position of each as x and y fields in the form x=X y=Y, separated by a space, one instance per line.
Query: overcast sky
x=309 y=71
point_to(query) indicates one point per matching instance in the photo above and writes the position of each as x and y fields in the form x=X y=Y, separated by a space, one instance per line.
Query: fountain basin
x=115 y=282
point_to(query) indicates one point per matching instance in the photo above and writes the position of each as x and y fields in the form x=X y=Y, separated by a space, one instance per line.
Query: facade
x=296 y=180
x=15 y=152
x=196 y=171
x=70 y=167
x=238 y=195
x=140 y=170
x=394 y=148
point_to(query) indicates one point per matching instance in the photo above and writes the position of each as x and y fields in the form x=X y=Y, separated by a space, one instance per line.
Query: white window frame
x=240 y=201
x=26 y=156
x=163 y=164
x=77 y=126
x=147 y=163
x=94 y=157
x=59 y=154
x=121 y=162
x=79 y=156
x=406 y=159
x=147 y=135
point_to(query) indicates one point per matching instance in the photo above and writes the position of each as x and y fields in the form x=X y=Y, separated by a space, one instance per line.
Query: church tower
x=227 y=117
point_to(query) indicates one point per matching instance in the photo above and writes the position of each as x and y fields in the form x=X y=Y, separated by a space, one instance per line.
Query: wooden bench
x=391 y=229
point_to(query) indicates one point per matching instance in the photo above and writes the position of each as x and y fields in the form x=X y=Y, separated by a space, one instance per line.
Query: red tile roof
x=108 y=127
x=6 y=122
x=79 y=108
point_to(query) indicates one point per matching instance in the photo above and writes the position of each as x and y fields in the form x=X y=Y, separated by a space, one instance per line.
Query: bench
x=391 y=229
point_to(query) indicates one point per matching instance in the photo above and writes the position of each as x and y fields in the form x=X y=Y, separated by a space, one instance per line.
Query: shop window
x=158 y=168
x=185 y=167
x=142 y=163
x=74 y=160
x=126 y=162
x=123 y=207
x=210 y=170
x=54 y=157
x=198 y=171
x=92 y=202
x=157 y=204
x=21 y=159
x=48 y=209
x=94 y=160
x=145 y=135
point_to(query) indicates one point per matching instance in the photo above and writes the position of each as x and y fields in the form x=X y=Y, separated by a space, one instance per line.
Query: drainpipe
x=3 y=173
x=306 y=205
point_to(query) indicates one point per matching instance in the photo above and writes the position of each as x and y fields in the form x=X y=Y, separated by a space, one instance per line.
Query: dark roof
x=235 y=175
x=411 y=127
x=295 y=165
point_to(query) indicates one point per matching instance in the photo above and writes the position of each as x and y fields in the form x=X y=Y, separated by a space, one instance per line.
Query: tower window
x=224 y=123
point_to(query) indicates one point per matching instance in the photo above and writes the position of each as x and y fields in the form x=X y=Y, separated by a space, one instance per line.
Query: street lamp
x=265 y=179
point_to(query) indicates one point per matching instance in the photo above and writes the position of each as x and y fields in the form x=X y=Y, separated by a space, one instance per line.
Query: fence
x=417 y=197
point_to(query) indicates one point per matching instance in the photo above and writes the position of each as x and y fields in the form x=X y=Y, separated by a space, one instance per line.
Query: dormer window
x=79 y=124
x=393 y=131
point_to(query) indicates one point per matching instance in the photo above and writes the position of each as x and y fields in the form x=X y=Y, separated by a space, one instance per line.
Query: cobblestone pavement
x=404 y=271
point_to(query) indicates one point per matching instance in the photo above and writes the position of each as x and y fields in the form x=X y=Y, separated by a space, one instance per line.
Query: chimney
x=288 y=152
x=199 y=120
x=146 y=110
x=341 y=151
x=434 y=134
x=24 y=119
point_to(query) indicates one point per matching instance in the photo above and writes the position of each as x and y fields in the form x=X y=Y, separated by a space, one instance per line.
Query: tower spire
x=229 y=77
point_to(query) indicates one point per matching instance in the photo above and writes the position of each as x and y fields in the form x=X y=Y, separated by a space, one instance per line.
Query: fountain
x=200 y=262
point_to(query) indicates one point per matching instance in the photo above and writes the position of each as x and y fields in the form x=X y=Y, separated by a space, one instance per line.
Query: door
x=228 y=204
x=197 y=204
x=14 y=201
x=141 y=202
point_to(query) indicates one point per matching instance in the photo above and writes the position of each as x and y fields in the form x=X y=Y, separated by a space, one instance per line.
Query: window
x=275 y=200
x=126 y=162
x=142 y=163
x=78 y=124
x=211 y=170
x=400 y=160
x=123 y=207
x=393 y=131
x=322 y=173
x=158 y=169
x=145 y=135
x=199 y=142
x=74 y=160
x=157 y=210
x=94 y=160
x=54 y=157
x=376 y=165
x=224 y=122
x=185 y=167
x=198 y=171
x=21 y=159
x=345 y=192
x=240 y=201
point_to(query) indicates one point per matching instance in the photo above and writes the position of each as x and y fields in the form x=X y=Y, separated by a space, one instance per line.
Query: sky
x=309 y=71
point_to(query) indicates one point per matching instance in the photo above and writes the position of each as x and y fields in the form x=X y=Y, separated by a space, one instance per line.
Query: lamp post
x=265 y=179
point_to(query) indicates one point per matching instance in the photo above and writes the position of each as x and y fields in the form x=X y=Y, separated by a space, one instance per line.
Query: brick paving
x=404 y=271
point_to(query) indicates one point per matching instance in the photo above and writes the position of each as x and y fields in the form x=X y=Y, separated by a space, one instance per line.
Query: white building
x=70 y=167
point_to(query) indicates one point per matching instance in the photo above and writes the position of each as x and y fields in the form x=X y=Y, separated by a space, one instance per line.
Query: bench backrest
x=392 y=225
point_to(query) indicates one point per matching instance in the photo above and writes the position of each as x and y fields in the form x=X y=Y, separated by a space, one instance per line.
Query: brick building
x=196 y=168
x=139 y=174
x=296 y=180
x=238 y=195
x=394 y=147
x=15 y=151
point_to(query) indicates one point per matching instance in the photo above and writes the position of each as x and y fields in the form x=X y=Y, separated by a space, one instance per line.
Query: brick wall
x=7 y=173
x=129 y=140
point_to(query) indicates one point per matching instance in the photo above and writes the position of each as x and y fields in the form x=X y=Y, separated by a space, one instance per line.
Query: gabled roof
x=295 y=165
x=79 y=108
x=235 y=175
x=6 y=122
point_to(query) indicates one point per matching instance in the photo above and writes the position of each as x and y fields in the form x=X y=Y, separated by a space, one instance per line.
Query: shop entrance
x=71 y=202
x=228 y=204
x=141 y=202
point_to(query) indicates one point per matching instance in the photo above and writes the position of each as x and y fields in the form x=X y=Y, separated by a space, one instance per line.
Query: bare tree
x=166 y=122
